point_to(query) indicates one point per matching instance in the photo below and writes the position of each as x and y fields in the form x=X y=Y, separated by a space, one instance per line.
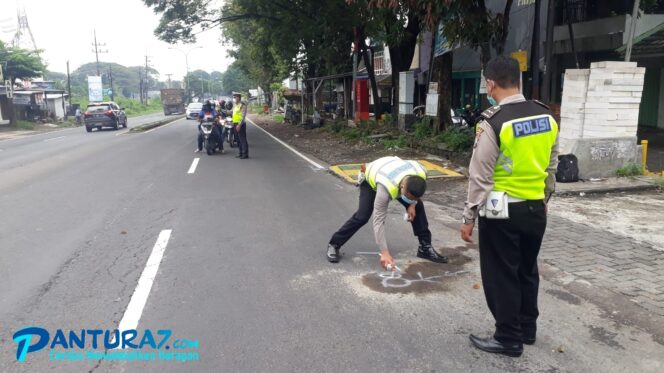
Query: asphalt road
x=243 y=269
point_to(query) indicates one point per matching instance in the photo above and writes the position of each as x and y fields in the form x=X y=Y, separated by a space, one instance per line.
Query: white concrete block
x=624 y=100
x=634 y=82
x=612 y=64
x=598 y=105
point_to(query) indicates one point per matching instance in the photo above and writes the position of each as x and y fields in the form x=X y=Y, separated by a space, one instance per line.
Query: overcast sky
x=64 y=30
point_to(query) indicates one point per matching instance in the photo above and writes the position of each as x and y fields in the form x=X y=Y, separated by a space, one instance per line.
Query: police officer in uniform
x=239 y=121
x=516 y=152
x=383 y=180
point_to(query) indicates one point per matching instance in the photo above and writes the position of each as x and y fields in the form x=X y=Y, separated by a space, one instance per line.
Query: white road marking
x=192 y=169
x=55 y=138
x=134 y=310
x=288 y=146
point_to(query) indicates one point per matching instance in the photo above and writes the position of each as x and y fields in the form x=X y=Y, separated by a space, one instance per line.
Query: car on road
x=104 y=114
x=193 y=109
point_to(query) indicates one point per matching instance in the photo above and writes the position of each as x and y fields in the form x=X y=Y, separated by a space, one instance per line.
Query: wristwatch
x=467 y=221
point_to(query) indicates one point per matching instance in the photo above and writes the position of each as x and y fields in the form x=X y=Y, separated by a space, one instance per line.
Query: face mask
x=408 y=200
x=492 y=101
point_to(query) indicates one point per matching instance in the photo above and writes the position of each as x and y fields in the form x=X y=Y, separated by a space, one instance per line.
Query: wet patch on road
x=420 y=277
x=565 y=296
x=599 y=334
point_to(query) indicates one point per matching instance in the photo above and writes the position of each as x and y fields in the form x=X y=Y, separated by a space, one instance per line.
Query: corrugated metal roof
x=649 y=44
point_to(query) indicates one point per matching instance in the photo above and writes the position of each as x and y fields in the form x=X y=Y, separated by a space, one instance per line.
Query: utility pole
x=68 y=83
x=548 y=73
x=632 y=31
x=534 y=50
x=140 y=86
x=169 y=80
x=96 y=51
x=110 y=77
x=147 y=78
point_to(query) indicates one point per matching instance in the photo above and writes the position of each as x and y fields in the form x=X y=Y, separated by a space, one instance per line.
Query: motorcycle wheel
x=208 y=147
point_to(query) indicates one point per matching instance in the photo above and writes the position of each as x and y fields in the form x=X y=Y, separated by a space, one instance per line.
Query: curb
x=635 y=188
x=149 y=126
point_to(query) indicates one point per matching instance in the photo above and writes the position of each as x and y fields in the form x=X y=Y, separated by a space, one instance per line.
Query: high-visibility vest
x=526 y=132
x=237 y=113
x=390 y=171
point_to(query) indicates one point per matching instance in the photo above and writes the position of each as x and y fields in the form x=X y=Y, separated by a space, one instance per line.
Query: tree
x=234 y=80
x=20 y=64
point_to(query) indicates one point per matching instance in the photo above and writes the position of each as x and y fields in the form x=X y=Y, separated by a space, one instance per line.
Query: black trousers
x=217 y=132
x=367 y=196
x=508 y=262
x=242 y=140
x=200 y=138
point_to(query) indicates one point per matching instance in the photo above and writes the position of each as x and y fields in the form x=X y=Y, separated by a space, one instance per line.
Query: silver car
x=193 y=110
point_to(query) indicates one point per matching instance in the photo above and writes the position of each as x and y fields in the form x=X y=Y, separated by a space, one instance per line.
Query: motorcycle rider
x=209 y=109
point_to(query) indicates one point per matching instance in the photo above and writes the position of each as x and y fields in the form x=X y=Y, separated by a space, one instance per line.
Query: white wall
x=601 y=102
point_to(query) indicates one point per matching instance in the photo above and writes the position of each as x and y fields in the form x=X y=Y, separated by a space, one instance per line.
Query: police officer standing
x=383 y=180
x=239 y=117
x=513 y=167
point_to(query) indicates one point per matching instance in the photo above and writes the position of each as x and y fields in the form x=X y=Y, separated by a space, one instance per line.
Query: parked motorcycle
x=230 y=135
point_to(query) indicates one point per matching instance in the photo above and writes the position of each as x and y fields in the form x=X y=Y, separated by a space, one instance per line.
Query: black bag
x=568 y=169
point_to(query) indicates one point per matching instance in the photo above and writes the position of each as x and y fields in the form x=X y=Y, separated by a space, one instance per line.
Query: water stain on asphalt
x=420 y=277
x=599 y=334
x=565 y=296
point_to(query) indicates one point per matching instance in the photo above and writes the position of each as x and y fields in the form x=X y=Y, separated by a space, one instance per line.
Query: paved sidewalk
x=587 y=244
x=618 y=263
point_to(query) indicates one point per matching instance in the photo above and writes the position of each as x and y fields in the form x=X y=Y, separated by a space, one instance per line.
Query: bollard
x=644 y=156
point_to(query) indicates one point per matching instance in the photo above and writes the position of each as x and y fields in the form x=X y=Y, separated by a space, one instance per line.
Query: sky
x=64 y=29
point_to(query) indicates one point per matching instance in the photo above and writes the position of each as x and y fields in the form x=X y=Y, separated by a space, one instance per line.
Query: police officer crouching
x=381 y=181
x=512 y=175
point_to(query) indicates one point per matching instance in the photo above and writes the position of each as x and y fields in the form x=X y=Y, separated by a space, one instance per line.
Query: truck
x=172 y=99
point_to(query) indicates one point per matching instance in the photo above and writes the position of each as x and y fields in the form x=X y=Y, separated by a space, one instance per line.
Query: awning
x=649 y=44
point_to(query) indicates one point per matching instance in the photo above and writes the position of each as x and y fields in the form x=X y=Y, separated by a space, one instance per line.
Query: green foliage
x=398 y=143
x=337 y=126
x=457 y=138
x=25 y=125
x=630 y=169
x=235 y=80
x=423 y=130
x=19 y=63
x=660 y=182
x=278 y=118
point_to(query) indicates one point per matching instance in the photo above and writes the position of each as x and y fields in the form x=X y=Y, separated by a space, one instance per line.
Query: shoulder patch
x=490 y=112
x=541 y=104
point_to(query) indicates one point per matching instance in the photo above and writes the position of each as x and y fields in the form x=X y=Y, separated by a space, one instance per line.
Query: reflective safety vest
x=526 y=132
x=390 y=171
x=237 y=113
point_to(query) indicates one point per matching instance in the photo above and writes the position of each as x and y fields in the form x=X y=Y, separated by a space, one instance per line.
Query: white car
x=193 y=110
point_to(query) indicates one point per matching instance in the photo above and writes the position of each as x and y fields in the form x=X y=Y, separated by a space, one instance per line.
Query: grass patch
x=25 y=125
x=660 y=182
x=457 y=138
x=630 y=169
x=278 y=118
x=399 y=143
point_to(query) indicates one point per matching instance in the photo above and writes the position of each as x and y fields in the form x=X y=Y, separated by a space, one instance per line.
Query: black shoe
x=513 y=349
x=427 y=252
x=238 y=156
x=244 y=157
x=528 y=340
x=333 y=254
